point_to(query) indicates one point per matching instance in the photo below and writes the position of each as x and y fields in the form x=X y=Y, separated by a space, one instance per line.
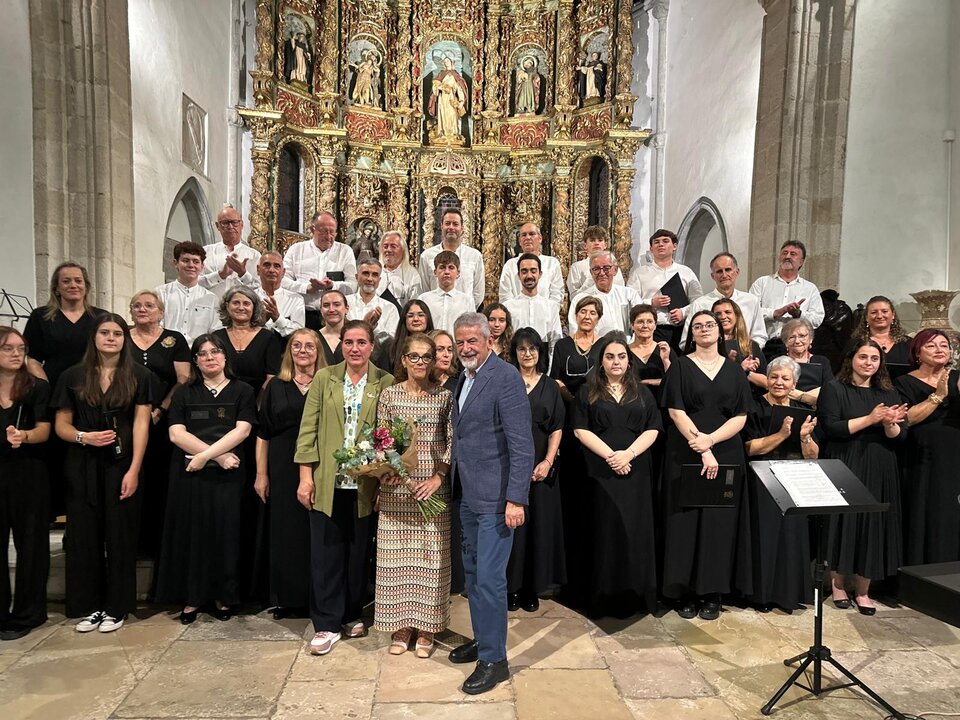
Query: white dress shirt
x=540 y=313
x=304 y=261
x=579 y=279
x=551 y=279
x=389 y=317
x=190 y=311
x=471 y=278
x=616 y=309
x=404 y=283
x=749 y=308
x=774 y=292
x=216 y=258
x=648 y=279
x=291 y=309
x=446 y=307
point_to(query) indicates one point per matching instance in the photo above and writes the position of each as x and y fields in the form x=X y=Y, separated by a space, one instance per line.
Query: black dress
x=289 y=526
x=929 y=480
x=159 y=359
x=622 y=548
x=811 y=377
x=101 y=552
x=537 y=562
x=23 y=511
x=734 y=353
x=570 y=366
x=782 y=573
x=201 y=539
x=706 y=550
x=865 y=544
x=652 y=369
x=261 y=357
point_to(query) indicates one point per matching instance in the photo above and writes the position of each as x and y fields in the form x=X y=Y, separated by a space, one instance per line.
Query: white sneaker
x=90 y=622
x=109 y=624
x=322 y=642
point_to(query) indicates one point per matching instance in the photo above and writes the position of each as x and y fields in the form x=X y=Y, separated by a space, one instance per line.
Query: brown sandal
x=425 y=645
x=401 y=641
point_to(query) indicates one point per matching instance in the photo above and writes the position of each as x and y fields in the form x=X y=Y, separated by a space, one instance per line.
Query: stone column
x=659 y=141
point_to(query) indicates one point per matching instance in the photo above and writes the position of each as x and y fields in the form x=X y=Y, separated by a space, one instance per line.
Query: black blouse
x=159 y=359
x=570 y=366
x=260 y=358
x=24 y=415
x=58 y=343
x=281 y=409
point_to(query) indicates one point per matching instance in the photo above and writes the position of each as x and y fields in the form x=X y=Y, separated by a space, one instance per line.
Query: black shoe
x=486 y=677
x=222 y=614
x=187 y=617
x=466 y=653
x=14 y=633
x=842 y=604
x=688 y=609
x=864 y=610
x=531 y=603
x=279 y=613
x=513 y=601
x=710 y=610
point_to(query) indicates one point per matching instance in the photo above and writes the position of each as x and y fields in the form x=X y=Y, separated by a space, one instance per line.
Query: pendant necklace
x=215 y=390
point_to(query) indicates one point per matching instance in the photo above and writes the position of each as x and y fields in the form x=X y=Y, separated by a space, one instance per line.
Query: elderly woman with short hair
x=815 y=370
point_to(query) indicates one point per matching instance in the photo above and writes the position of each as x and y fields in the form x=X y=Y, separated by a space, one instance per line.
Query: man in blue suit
x=492 y=462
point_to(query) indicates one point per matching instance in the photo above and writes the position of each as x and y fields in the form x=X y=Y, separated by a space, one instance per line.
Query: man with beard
x=398 y=276
x=491 y=464
x=471 y=279
x=530 y=308
x=531 y=241
x=380 y=314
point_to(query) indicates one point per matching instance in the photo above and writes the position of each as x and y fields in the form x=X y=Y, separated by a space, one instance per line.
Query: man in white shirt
x=648 y=279
x=595 y=239
x=189 y=308
x=367 y=305
x=530 y=308
x=231 y=262
x=617 y=299
x=283 y=308
x=398 y=275
x=551 y=280
x=785 y=295
x=320 y=264
x=446 y=303
x=472 y=280
x=724 y=270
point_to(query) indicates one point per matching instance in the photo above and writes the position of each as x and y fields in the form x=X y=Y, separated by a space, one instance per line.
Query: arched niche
x=189 y=219
x=591 y=196
x=294 y=196
x=701 y=236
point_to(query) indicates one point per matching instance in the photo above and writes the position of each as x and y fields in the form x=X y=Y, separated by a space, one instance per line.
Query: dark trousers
x=486 y=549
x=101 y=538
x=24 y=500
x=339 y=560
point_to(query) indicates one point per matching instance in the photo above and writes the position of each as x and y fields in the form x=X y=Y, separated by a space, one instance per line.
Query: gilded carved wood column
x=565 y=62
x=562 y=244
x=263 y=126
x=493 y=229
x=623 y=225
x=492 y=97
x=404 y=57
x=624 y=99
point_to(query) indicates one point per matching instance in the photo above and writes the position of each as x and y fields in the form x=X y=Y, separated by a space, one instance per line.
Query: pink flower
x=387 y=443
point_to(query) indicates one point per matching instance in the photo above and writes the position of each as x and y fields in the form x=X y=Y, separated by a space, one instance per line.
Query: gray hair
x=790 y=325
x=154 y=294
x=257 y=317
x=779 y=363
x=473 y=320
x=601 y=253
x=369 y=260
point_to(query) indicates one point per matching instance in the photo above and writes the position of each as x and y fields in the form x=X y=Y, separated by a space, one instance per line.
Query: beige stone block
x=409 y=679
x=244 y=627
x=213 y=679
x=347 y=661
x=443 y=711
x=843 y=631
x=653 y=672
x=681 y=709
x=29 y=642
x=326 y=700
x=551 y=643
x=910 y=680
x=568 y=695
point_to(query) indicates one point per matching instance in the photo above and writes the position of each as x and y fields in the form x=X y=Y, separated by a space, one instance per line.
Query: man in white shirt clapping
x=367 y=305
x=283 y=308
x=231 y=262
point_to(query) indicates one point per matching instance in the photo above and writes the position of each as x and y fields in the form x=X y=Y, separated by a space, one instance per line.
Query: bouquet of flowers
x=383 y=450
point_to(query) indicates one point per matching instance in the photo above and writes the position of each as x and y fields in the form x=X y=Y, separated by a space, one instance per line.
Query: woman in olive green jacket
x=341 y=399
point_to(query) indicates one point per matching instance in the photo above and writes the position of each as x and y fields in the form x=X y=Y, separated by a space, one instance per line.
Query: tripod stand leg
x=768 y=708
x=859 y=683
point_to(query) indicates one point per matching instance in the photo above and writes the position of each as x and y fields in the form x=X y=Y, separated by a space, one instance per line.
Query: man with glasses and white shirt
x=617 y=299
x=579 y=280
x=231 y=262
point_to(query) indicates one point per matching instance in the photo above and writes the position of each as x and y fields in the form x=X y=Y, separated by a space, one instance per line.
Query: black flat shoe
x=531 y=604
x=843 y=604
x=864 y=610
x=486 y=677
x=222 y=614
x=688 y=609
x=513 y=601
x=710 y=609
x=466 y=653
x=187 y=617
x=14 y=633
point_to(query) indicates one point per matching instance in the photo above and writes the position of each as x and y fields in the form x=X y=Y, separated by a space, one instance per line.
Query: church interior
x=736 y=124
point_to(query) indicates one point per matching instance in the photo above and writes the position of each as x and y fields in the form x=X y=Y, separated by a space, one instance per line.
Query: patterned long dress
x=413 y=554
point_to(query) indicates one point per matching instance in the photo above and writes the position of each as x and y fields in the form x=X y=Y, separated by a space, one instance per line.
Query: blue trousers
x=486 y=550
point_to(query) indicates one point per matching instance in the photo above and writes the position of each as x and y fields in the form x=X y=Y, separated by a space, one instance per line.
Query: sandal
x=425 y=645
x=401 y=641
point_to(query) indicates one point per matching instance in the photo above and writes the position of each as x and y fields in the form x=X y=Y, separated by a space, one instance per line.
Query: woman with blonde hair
x=446 y=367
x=739 y=347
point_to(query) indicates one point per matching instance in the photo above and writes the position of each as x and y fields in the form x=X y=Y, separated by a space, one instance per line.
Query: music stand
x=859 y=500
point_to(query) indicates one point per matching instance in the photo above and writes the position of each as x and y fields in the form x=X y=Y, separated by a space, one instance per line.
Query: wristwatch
x=79 y=439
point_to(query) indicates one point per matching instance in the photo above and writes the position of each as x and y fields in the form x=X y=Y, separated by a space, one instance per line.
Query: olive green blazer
x=321 y=432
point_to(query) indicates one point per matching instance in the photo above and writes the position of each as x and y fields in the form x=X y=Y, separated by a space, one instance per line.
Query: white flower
x=365 y=445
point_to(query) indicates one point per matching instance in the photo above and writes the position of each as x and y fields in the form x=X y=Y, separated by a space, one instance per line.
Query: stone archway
x=701 y=236
x=189 y=219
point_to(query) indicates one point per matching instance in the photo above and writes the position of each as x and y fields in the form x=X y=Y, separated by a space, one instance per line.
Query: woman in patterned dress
x=413 y=553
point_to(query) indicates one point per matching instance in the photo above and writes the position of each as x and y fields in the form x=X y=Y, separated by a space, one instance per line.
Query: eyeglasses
x=143 y=306
x=13 y=349
x=700 y=327
x=798 y=336
x=527 y=351
x=230 y=223
x=300 y=347
x=602 y=269
x=204 y=354
x=419 y=359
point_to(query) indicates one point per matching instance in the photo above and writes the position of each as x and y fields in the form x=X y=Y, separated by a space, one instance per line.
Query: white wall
x=17 y=271
x=176 y=47
x=903 y=97
x=713 y=80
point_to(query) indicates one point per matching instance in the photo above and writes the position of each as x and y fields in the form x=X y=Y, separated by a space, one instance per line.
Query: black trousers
x=24 y=501
x=101 y=538
x=339 y=560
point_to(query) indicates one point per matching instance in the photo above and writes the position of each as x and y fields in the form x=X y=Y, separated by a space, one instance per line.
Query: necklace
x=215 y=390
x=303 y=386
x=580 y=352
x=529 y=383
x=709 y=367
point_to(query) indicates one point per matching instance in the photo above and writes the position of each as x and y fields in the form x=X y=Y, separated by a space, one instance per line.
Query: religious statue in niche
x=592 y=80
x=529 y=86
x=365 y=60
x=448 y=94
x=298 y=60
x=365 y=238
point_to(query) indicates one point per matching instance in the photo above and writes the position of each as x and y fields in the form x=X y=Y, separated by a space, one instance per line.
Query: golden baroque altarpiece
x=393 y=110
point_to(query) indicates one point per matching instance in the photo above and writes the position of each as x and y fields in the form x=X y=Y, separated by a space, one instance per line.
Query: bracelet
x=935 y=399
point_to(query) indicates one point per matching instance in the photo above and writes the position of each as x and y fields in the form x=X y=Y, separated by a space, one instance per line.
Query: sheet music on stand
x=807 y=483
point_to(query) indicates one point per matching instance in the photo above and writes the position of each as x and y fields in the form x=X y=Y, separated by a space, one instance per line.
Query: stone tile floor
x=564 y=666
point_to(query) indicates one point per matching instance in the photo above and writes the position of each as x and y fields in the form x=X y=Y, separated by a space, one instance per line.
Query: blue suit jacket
x=493 y=438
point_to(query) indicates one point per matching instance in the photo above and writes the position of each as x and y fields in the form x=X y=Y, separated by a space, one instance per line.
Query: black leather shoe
x=187 y=617
x=841 y=603
x=466 y=653
x=486 y=677
x=222 y=614
x=710 y=610
x=531 y=603
x=279 y=613
x=14 y=633
x=513 y=601
x=688 y=609
x=865 y=610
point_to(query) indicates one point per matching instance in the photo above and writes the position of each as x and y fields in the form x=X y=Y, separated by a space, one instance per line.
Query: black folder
x=799 y=415
x=673 y=289
x=811 y=376
x=336 y=275
x=898 y=369
x=699 y=491
x=391 y=298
